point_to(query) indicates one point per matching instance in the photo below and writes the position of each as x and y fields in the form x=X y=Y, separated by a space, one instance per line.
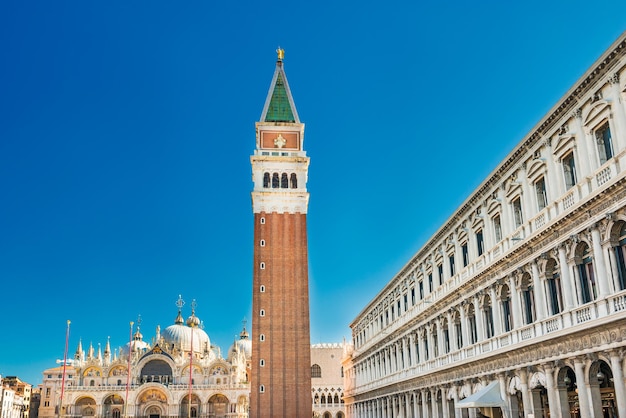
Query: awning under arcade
x=489 y=396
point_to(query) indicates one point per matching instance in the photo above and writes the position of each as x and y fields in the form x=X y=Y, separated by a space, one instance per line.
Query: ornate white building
x=163 y=378
x=327 y=380
x=516 y=306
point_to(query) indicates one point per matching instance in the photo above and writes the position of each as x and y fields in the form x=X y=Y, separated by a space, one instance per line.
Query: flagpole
x=130 y=350
x=67 y=339
x=190 y=371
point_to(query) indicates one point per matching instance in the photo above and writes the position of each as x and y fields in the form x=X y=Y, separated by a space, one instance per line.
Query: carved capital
x=613 y=79
x=578 y=113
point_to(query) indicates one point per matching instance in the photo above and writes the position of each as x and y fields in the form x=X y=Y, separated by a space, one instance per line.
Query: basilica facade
x=178 y=374
x=163 y=377
x=516 y=306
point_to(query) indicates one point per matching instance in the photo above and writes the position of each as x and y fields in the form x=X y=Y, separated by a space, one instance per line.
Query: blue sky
x=126 y=130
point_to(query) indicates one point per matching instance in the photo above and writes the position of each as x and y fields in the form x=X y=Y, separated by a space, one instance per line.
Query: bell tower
x=281 y=351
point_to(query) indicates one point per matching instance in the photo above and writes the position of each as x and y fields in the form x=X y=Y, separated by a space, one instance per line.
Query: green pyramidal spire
x=279 y=105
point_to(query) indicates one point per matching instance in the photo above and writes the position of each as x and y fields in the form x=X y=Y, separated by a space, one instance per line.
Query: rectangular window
x=569 y=170
x=554 y=287
x=506 y=314
x=603 y=139
x=430 y=282
x=406 y=302
x=412 y=296
x=480 y=242
x=497 y=228
x=421 y=288
x=489 y=321
x=473 y=330
x=451 y=261
x=517 y=212
x=465 y=253
x=440 y=273
x=459 y=335
x=540 y=191
x=529 y=305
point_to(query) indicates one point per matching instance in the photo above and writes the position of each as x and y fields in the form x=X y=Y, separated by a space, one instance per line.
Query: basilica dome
x=244 y=345
x=179 y=335
x=137 y=344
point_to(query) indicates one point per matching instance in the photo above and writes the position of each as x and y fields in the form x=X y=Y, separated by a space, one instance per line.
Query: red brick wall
x=286 y=349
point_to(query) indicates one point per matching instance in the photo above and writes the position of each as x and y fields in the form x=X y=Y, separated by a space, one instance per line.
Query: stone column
x=523 y=375
x=566 y=280
x=413 y=361
x=424 y=403
x=600 y=265
x=440 y=340
x=583 y=389
x=414 y=395
x=464 y=324
x=444 y=403
x=517 y=311
x=619 y=115
x=553 y=177
x=451 y=332
x=405 y=363
x=480 y=319
x=457 y=411
x=422 y=346
x=582 y=157
x=618 y=381
x=506 y=409
x=540 y=294
x=433 y=404
x=496 y=310
x=551 y=389
x=429 y=338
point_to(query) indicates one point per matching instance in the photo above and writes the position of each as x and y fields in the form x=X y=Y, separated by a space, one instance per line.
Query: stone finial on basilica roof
x=79 y=350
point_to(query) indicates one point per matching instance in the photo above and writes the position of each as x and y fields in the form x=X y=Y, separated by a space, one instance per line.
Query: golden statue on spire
x=281 y=53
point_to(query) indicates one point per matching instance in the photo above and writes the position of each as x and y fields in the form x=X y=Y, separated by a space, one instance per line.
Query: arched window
x=119 y=382
x=336 y=399
x=116 y=413
x=586 y=276
x=323 y=399
x=275 y=181
x=92 y=383
x=316 y=371
x=620 y=257
x=266 y=180
x=294 y=181
x=284 y=181
x=553 y=279
x=194 y=412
